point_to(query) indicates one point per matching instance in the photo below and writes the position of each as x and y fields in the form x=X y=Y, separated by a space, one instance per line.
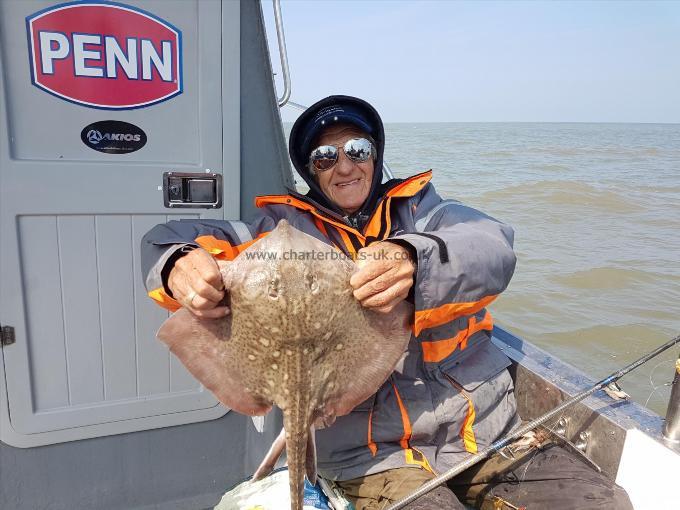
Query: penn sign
x=104 y=55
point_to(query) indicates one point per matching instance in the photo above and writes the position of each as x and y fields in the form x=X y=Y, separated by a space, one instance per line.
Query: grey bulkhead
x=94 y=412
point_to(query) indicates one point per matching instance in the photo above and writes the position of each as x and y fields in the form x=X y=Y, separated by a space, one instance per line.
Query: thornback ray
x=296 y=338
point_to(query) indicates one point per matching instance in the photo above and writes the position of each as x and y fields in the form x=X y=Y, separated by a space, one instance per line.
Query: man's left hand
x=385 y=276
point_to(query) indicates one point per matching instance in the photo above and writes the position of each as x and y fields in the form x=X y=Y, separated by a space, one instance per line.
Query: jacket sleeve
x=165 y=243
x=464 y=259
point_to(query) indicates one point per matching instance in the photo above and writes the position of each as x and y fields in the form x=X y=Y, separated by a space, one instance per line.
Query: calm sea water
x=596 y=213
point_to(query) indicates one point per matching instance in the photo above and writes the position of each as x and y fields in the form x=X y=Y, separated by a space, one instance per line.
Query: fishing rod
x=513 y=436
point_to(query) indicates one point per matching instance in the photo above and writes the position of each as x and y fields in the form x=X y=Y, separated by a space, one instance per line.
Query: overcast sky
x=444 y=61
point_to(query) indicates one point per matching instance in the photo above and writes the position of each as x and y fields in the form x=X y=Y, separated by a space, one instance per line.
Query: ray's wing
x=205 y=348
x=372 y=344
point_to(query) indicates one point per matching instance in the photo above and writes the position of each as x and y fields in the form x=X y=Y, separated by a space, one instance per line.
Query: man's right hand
x=196 y=282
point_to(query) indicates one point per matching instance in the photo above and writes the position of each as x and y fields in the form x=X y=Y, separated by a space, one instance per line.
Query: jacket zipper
x=352 y=222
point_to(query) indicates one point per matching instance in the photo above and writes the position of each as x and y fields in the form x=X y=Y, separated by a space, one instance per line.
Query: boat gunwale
x=543 y=381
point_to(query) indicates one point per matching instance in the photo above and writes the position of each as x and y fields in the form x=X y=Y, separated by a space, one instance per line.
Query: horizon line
x=517 y=122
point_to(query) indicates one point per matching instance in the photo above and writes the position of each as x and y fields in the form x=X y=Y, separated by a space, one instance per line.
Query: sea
x=596 y=214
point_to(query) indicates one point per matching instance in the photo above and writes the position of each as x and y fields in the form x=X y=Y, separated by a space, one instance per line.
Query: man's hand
x=196 y=282
x=385 y=276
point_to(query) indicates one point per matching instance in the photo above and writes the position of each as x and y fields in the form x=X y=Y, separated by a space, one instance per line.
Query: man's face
x=347 y=183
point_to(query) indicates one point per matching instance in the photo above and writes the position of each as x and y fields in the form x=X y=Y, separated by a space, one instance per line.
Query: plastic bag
x=271 y=493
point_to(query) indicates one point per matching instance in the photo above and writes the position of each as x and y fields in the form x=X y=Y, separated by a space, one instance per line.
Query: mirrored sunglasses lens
x=358 y=149
x=324 y=157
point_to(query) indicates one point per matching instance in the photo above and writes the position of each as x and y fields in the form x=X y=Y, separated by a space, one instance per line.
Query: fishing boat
x=115 y=117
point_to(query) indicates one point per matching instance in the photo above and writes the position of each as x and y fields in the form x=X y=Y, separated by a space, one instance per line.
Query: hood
x=337 y=109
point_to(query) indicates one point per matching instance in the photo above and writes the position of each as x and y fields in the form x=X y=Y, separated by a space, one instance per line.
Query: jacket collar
x=396 y=188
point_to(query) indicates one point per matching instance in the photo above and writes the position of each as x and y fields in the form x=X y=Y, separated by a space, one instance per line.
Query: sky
x=445 y=61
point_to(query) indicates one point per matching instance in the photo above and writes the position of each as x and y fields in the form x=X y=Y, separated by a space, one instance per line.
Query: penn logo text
x=105 y=55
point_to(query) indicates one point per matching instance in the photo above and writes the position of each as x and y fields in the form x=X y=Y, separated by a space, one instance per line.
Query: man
x=451 y=393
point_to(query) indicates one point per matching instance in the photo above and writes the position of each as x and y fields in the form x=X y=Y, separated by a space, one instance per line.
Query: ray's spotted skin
x=296 y=337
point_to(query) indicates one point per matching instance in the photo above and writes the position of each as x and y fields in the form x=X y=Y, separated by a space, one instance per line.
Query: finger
x=213 y=313
x=376 y=285
x=200 y=303
x=386 y=297
x=204 y=264
x=207 y=267
x=205 y=293
x=369 y=271
x=391 y=306
x=178 y=283
x=202 y=275
x=384 y=301
x=184 y=293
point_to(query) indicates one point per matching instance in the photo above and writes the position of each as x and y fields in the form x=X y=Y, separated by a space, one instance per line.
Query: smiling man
x=349 y=183
x=451 y=393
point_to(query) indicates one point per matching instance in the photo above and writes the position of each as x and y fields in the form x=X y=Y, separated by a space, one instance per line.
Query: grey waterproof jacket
x=450 y=394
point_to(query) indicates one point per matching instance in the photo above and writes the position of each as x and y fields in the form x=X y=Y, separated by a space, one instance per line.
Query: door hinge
x=7 y=335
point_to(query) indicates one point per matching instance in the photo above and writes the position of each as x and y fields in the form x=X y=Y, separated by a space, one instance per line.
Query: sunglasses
x=356 y=149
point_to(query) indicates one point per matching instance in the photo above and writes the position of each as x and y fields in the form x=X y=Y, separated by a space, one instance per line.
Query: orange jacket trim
x=425 y=319
x=371 y=444
x=404 y=420
x=411 y=455
x=474 y=327
x=360 y=241
x=224 y=250
x=322 y=228
x=348 y=243
x=437 y=350
x=408 y=188
x=388 y=219
x=161 y=297
x=411 y=186
x=373 y=226
x=466 y=431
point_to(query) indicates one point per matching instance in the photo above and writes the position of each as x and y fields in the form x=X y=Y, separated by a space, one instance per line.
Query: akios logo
x=105 y=55
x=113 y=137
x=94 y=137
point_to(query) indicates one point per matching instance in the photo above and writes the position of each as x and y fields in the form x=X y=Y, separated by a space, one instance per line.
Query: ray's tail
x=297 y=437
